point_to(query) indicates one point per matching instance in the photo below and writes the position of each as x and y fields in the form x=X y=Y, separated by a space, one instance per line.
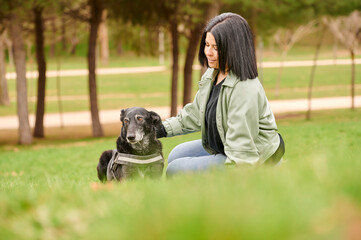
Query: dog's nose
x=131 y=137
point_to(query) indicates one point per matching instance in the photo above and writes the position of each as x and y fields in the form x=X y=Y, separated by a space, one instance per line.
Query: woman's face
x=211 y=51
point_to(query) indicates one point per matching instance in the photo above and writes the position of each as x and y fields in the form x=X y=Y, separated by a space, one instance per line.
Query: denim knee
x=187 y=149
x=171 y=170
x=172 y=155
x=179 y=165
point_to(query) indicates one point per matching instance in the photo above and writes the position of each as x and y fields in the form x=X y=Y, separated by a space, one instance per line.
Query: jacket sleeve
x=243 y=125
x=187 y=120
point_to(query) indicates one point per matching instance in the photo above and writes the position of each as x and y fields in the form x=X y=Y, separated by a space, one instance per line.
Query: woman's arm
x=187 y=120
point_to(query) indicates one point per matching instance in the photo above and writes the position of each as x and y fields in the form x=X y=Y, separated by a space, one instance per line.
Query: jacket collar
x=230 y=80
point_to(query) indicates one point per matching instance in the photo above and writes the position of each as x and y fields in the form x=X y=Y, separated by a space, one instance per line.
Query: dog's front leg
x=103 y=164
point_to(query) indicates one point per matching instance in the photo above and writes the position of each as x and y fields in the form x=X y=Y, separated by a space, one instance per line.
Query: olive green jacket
x=245 y=121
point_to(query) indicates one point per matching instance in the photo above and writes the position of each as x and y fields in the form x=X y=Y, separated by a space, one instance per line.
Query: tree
x=16 y=33
x=96 y=10
x=12 y=13
x=347 y=29
x=266 y=17
x=103 y=39
x=197 y=18
x=321 y=29
x=38 y=9
x=322 y=11
x=91 y=12
x=4 y=96
x=286 y=38
x=40 y=59
x=154 y=13
x=172 y=16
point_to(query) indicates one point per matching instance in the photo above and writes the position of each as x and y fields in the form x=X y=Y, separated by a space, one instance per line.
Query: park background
x=49 y=188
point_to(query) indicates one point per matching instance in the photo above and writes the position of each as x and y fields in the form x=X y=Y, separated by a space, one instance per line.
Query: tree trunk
x=40 y=58
x=175 y=62
x=161 y=46
x=74 y=44
x=63 y=33
x=310 y=86
x=142 y=48
x=9 y=46
x=352 y=80
x=74 y=39
x=21 y=85
x=104 y=40
x=119 y=48
x=96 y=13
x=52 y=49
x=212 y=9
x=4 y=95
x=58 y=90
x=188 y=65
x=278 y=83
x=334 y=48
x=253 y=25
x=260 y=58
x=153 y=38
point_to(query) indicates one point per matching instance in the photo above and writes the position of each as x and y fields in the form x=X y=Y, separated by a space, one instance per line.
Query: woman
x=230 y=108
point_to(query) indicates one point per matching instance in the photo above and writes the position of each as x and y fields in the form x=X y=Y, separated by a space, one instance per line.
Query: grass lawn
x=50 y=191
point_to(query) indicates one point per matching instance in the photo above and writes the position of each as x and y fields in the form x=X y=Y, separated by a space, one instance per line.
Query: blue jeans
x=192 y=157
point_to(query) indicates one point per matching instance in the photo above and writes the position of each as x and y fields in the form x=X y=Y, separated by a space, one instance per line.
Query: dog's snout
x=131 y=137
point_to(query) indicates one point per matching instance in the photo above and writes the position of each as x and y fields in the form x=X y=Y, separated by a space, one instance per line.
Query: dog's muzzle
x=135 y=137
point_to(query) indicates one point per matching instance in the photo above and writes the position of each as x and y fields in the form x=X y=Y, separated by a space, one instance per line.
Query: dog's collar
x=123 y=158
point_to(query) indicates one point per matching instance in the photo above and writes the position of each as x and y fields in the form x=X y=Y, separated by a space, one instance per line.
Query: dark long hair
x=235 y=45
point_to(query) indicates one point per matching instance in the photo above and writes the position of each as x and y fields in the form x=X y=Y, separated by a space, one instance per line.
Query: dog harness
x=135 y=161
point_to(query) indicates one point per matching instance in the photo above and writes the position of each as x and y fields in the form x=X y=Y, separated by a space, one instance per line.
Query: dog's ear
x=156 y=120
x=122 y=114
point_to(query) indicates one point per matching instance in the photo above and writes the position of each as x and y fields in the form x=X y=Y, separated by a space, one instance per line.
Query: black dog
x=138 y=153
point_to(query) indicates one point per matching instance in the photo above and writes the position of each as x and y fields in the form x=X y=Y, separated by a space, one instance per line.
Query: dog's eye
x=126 y=121
x=139 y=118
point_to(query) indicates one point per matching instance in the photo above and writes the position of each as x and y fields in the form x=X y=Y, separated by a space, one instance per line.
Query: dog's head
x=139 y=125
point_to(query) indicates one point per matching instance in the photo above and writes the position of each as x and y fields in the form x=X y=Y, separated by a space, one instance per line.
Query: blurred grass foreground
x=50 y=191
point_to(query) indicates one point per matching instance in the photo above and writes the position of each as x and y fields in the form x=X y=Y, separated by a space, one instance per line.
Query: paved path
x=83 y=72
x=112 y=116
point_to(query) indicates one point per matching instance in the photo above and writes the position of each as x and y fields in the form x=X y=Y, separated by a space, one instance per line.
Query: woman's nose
x=208 y=51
